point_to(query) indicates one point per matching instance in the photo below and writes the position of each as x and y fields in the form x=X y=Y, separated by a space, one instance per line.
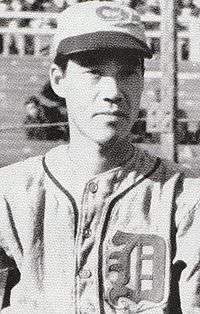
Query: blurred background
x=33 y=119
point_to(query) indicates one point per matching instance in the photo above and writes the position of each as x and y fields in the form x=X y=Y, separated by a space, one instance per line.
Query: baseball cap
x=94 y=25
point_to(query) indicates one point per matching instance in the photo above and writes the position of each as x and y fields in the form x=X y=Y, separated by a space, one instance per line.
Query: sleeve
x=188 y=246
x=3 y=277
x=9 y=277
x=9 y=273
x=4 y=261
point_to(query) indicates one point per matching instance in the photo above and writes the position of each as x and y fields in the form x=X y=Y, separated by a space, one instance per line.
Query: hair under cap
x=94 y=25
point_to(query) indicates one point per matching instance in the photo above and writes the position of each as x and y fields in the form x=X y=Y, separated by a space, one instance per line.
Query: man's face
x=103 y=92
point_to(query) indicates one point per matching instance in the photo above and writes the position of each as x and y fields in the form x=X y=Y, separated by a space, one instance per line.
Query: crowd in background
x=192 y=6
x=32 y=5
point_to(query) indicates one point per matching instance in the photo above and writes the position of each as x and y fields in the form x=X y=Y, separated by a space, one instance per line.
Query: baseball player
x=99 y=226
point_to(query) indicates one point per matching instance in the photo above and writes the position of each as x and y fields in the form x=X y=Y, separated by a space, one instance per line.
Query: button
x=93 y=187
x=88 y=309
x=85 y=274
x=87 y=233
x=123 y=305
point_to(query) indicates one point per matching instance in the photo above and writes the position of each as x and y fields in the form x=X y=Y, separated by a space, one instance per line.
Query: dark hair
x=61 y=60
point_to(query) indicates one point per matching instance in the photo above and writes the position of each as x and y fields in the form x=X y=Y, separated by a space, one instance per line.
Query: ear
x=57 y=80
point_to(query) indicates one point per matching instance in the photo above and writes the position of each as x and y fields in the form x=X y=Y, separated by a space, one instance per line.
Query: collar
x=140 y=165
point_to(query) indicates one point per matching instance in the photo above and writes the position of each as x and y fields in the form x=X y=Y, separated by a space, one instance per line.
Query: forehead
x=104 y=56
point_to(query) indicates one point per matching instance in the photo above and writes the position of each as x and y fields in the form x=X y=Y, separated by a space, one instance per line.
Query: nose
x=110 y=90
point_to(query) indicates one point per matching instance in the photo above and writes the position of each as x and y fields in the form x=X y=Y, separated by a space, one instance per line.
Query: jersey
x=125 y=241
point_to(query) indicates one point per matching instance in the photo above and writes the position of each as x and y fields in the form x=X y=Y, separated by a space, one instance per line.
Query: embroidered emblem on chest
x=136 y=267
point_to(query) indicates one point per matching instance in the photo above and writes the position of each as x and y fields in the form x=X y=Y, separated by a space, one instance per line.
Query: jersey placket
x=85 y=275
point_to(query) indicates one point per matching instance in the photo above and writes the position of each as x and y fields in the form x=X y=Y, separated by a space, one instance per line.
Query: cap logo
x=113 y=13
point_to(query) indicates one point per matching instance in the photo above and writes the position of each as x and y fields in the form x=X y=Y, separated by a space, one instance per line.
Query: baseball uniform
x=127 y=241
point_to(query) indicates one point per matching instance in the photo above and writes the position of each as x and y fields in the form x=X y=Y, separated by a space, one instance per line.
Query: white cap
x=94 y=25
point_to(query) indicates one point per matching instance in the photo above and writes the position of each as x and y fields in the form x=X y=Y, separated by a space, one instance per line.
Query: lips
x=111 y=113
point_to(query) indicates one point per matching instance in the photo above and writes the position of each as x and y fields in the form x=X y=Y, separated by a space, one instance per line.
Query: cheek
x=136 y=94
x=79 y=99
x=133 y=90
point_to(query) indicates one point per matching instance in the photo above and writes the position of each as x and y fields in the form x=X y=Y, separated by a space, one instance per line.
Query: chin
x=105 y=136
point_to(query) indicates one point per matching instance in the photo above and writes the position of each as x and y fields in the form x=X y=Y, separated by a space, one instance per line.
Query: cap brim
x=99 y=40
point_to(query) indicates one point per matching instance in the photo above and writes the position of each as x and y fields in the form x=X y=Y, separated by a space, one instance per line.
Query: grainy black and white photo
x=100 y=156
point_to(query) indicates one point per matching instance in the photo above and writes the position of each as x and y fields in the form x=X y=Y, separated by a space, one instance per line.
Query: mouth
x=119 y=114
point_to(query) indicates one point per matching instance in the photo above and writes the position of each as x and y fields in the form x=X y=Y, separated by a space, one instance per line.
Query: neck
x=91 y=158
